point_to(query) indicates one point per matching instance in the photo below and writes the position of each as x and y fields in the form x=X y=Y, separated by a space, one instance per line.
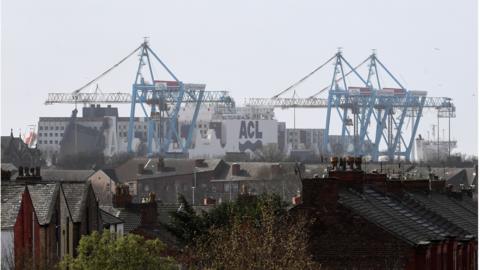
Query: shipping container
x=386 y=92
x=397 y=91
x=417 y=93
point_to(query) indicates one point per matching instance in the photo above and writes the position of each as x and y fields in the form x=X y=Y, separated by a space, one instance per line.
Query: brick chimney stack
x=26 y=173
x=122 y=196
x=235 y=169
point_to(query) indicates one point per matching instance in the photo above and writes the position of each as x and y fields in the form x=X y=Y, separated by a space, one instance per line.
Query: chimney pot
x=334 y=161
x=122 y=196
x=358 y=163
x=350 y=162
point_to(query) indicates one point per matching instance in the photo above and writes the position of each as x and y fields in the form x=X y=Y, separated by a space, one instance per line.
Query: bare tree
x=269 y=153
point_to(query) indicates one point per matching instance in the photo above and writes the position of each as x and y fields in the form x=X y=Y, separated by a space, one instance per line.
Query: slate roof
x=110 y=172
x=75 y=194
x=109 y=219
x=66 y=175
x=412 y=224
x=257 y=171
x=458 y=178
x=131 y=218
x=128 y=171
x=461 y=212
x=43 y=199
x=11 y=201
x=9 y=167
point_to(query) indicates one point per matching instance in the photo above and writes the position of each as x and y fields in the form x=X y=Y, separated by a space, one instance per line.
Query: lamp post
x=194 y=184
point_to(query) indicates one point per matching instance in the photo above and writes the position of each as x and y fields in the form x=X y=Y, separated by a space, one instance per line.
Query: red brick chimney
x=235 y=169
x=26 y=173
x=122 y=196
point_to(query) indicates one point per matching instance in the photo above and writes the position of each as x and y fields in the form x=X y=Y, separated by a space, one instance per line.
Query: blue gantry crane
x=159 y=100
x=373 y=118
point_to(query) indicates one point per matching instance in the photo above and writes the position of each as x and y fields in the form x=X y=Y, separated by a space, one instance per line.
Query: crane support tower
x=162 y=118
x=366 y=110
x=159 y=100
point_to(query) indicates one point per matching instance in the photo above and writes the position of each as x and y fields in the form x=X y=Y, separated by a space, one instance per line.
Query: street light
x=194 y=184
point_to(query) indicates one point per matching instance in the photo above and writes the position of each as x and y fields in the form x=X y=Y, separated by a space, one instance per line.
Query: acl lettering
x=249 y=130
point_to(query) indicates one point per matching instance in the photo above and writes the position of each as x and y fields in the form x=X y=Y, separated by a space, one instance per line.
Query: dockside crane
x=163 y=97
x=362 y=110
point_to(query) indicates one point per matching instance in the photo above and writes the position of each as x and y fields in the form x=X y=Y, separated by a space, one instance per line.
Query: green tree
x=107 y=252
x=187 y=225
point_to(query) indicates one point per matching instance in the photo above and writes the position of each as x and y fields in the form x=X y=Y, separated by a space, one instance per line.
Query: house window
x=56 y=134
x=51 y=128
x=51 y=142
x=62 y=127
x=40 y=128
x=56 y=142
x=51 y=134
x=56 y=128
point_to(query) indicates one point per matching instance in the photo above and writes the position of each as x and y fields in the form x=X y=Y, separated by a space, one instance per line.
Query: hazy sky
x=250 y=48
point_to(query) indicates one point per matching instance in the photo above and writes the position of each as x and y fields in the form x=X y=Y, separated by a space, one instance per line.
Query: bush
x=107 y=252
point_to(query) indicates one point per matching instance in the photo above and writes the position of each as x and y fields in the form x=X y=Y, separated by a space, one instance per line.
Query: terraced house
x=44 y=220
x=373 y=222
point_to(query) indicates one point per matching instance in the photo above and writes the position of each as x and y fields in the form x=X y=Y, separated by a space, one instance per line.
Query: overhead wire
x=304 y=78
x=337 y=80
x=107 y=71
